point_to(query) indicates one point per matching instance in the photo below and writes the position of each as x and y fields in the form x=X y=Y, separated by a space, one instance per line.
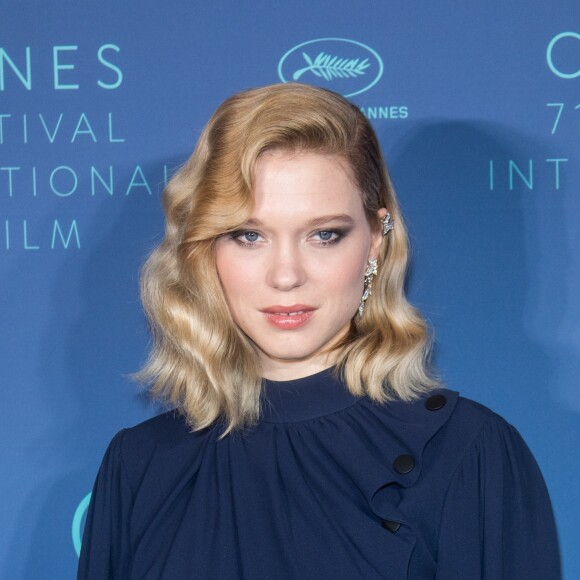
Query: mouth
x=293 y=310
x=289 y=317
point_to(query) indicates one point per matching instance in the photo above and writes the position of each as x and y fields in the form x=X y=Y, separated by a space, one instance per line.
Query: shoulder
x=479 y=425
x=470 y=418
x=164 y=429
x=462 y=415
x=489 y=473
x=477 y=438
x=475 y=451
x=446 y=410
x=456 y=426
x=161 y=441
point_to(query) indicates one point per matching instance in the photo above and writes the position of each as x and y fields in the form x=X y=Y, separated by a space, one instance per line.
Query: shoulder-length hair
x=201 y=362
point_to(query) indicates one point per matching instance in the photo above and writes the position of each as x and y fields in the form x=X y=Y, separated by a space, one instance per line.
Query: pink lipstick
x=289 y=317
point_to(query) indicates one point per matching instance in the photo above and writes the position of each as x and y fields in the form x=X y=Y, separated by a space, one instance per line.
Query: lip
x=289 y=317
x=279 y=309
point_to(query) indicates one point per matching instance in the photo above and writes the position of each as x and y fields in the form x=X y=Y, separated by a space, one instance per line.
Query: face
x=293 y=274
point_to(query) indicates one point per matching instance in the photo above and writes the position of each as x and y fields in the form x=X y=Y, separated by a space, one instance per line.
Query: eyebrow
x=314 y=222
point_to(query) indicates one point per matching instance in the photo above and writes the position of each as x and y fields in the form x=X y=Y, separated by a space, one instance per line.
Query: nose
x=286 y=269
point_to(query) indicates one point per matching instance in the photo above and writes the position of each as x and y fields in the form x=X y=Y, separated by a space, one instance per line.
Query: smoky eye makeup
x=245 y=237
x=329 y=236
x=249 y=237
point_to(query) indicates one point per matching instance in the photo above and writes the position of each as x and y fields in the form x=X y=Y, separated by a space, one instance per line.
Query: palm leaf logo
x=329 y=67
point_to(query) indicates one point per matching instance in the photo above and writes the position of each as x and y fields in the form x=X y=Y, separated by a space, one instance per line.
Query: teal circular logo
x=78 y=523
x=346 y=66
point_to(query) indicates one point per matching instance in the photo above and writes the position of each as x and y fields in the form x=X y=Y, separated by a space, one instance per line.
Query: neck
x=316 y=395
x=292 y=371
x=284 y=370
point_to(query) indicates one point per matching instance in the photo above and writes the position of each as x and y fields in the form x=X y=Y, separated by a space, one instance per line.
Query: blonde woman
x=308 y=439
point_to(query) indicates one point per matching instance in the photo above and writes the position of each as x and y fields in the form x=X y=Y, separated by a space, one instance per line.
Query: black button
x=435 y=402
x=391 y=526
x=404 y=464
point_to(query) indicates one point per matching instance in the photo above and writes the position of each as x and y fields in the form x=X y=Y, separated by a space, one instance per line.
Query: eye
x=326 y=237
x=245 y=238
x=249 y=236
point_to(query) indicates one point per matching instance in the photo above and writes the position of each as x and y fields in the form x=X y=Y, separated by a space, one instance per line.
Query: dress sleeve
x=497 y=521
x=105 y=545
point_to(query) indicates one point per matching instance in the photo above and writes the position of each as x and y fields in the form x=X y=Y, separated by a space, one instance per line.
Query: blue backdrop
x=478 y=110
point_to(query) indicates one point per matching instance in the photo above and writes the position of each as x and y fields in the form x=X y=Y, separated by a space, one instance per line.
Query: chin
x=293 y=353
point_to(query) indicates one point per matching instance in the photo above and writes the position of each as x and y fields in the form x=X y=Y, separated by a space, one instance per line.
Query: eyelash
x=236 y=236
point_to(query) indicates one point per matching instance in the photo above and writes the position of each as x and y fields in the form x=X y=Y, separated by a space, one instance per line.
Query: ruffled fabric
x=363 y=443
x=327 y=485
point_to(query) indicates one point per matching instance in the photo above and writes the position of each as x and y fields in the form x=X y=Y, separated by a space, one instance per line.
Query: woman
x=308 y=438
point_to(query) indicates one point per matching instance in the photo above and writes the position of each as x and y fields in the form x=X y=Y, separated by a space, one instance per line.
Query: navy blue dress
x=326 y=486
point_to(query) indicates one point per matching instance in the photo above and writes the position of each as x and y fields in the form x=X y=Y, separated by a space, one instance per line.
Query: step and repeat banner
x=477 y=107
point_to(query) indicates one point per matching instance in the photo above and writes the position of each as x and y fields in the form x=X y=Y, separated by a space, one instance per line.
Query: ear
x=377 y=233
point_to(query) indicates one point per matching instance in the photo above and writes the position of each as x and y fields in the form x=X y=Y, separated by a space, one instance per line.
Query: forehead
x=304 y=183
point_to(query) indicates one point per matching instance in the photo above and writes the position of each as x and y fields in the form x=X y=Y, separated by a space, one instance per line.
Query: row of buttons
x=404 y=464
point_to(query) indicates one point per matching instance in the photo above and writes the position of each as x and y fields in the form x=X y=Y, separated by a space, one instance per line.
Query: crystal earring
x=371 y=271
x=388 y=224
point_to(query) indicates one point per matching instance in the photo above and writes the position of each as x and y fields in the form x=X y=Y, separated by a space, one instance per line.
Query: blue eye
x=327 y=237
x=247 y=238
x=250 y=236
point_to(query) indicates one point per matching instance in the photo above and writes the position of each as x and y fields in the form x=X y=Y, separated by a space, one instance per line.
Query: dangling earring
x=373 y=267
x=388 y=224
x=371 y=271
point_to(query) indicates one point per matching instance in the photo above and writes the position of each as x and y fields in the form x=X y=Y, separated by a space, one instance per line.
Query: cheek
x=237 y=277
x=342 y=280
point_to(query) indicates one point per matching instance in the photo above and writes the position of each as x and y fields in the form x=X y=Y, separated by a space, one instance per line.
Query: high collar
x=305 y=398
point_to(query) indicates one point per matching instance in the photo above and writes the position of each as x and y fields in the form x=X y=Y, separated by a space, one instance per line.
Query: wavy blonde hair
x=201 y=362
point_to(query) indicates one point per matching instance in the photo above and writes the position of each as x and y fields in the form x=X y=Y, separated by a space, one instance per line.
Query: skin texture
x=306 y=244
